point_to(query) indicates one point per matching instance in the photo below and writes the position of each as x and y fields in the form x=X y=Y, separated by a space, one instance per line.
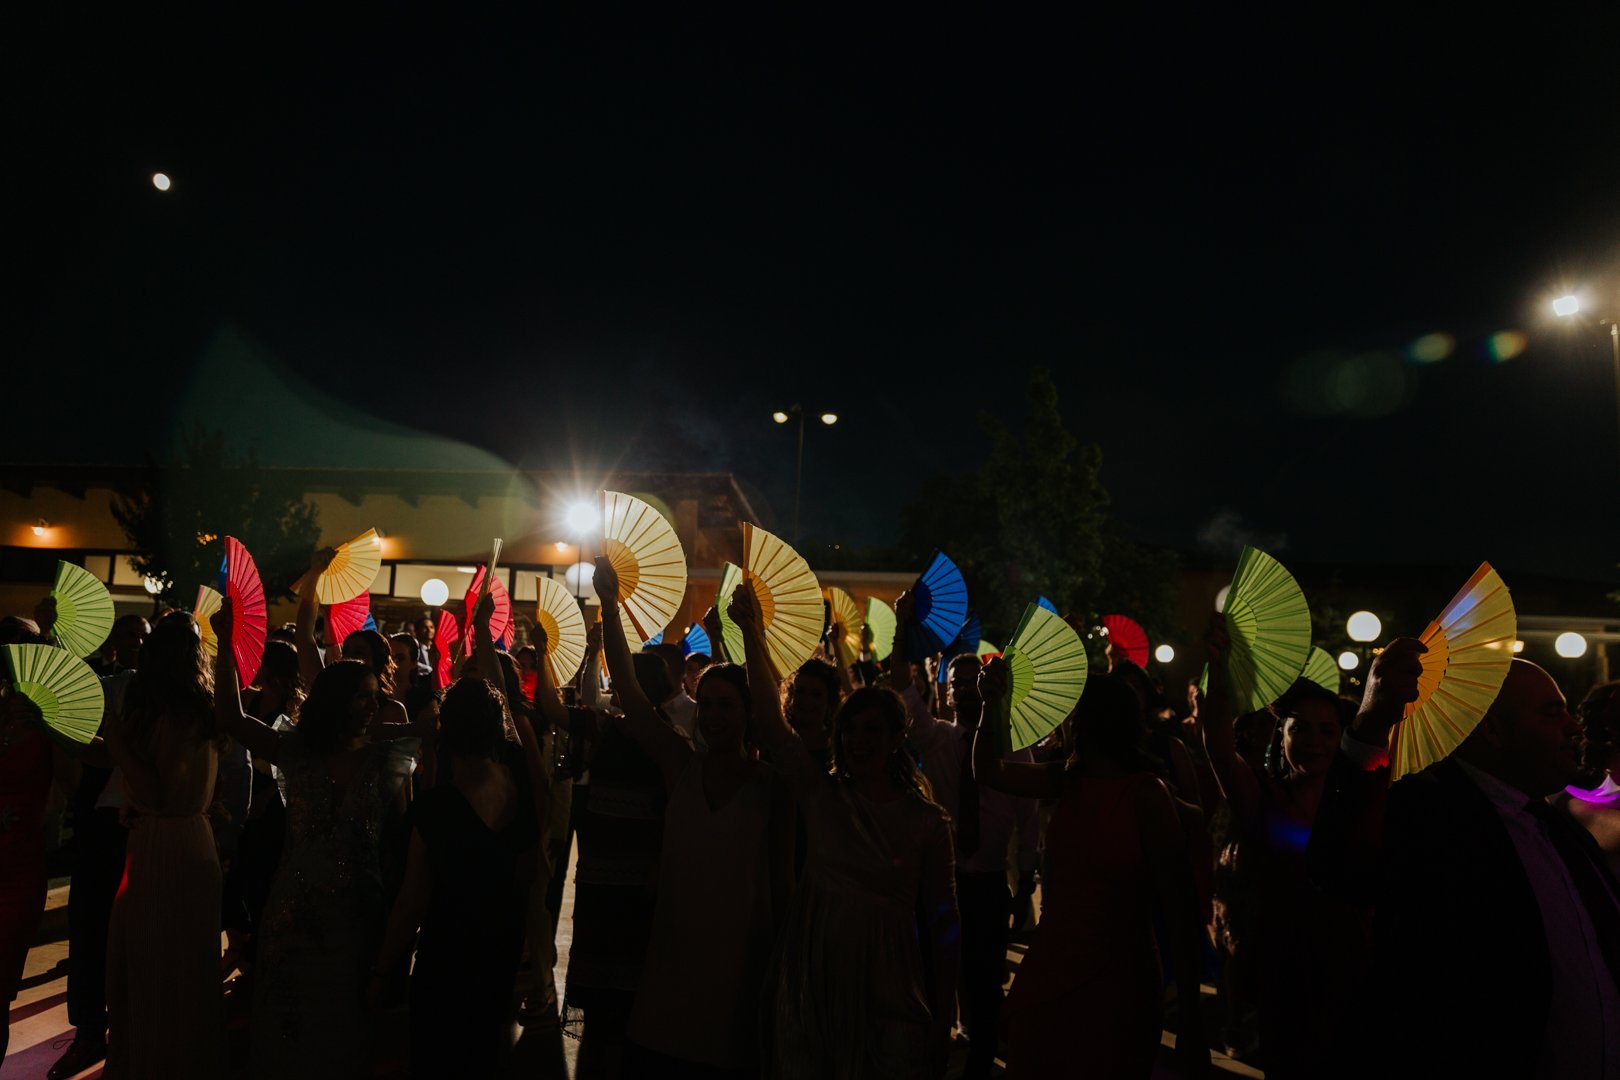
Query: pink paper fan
x=444 y=640
x=345 y=618
x=501 y=621
x=249 y=612
x=1128 y=638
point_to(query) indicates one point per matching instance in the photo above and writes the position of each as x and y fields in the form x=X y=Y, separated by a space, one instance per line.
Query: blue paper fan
x=941 y=608
x=656 y=639
x=369 y=624
x=696 y=641
x=966 y=642
x=1041 y=601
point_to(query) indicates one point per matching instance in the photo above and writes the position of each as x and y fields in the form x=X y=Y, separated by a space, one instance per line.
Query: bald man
x=1496 y=925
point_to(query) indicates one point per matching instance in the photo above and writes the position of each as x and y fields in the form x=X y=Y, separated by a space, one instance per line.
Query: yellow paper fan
x=1470 y=650
x=789 y=598
x=353 y=569
x=208 y=602
x=644 y=551
x=558 y=615
x=846 y=617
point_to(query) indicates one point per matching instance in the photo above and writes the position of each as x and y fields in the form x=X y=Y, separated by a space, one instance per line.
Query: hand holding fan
x=1470 y=650
x=731 y=638
x=641 y=546
x=1128 y=638
x=84 y=609
x=879 y=632
x=352 y=569
x=249 y=614
x=486 y=583
x=1270 y=629
x=62 y=686
x=1047 y=670
x=846 y=620
x=789 y=599
x=941 y=605
x=559 y=616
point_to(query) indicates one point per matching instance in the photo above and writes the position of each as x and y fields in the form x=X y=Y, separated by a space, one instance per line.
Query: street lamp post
x=1567 y=307
x=782 y=417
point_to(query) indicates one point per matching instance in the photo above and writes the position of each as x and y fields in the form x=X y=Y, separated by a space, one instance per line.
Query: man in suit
x=1496 y=927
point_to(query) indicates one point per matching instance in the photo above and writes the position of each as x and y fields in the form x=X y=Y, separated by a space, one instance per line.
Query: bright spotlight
x=1349 y=661
x=1570 y=645
x=161 y=181
x=1518 y=647
x=1164 y=654
x=779 y=416
x=1364 y=626
x=1566 y=305
x=152 y=585
x=434 y=592
x=829 y=418
x=562 y=546
x=1220 y=597
x=582 y=518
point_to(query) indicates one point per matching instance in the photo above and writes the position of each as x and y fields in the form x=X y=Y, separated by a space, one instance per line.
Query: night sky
x=1224 y=232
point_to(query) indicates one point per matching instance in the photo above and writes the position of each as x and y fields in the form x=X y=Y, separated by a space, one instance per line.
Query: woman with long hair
x=467 y=878
x=858 y=991
x=324 y=913
x=724 y=876
x=1090 y=987
x=163 y=981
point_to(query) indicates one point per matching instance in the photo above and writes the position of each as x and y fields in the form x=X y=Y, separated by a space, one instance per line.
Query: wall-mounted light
x=40 y=526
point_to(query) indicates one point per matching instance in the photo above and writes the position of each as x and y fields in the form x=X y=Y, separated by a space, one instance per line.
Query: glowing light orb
x=1164 y=654
x=583 y=517
x=1570 y=645
x=161 y=181
x=1349 y=661
x=152 y=585
x=779 y=416
x=829 y=418
x=434 y=592
x=1220 y=597
x=1364 y=626
x=1518 y=647
x=1566 y=305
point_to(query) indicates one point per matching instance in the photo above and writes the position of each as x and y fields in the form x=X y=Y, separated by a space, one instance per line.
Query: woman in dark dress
x=467 y=878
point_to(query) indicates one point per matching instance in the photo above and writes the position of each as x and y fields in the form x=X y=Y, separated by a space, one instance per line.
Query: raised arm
x=547 y=698
x=770 y=725
x=309 y=654
x=659 y=740
x=590 y=669
x=1026 y=779
x=261 y=740
x=1238 y=781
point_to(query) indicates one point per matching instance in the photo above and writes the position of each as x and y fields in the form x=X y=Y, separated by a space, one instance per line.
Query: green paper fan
x=1322 y=670
x=84 y=609
x=1269 y=625
x=1047 y=668
x=731 y=635
x=62 y=686
x=880 y=624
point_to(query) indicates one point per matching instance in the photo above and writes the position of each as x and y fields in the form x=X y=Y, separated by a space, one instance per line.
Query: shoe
x=79 y=1057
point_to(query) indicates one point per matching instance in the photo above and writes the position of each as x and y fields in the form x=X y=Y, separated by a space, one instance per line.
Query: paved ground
x=40 y=1031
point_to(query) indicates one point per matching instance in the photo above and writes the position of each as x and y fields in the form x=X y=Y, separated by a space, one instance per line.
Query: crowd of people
x=814 y=876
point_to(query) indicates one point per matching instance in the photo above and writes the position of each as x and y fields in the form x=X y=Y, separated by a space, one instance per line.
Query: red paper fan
x=444 y=640
x=501 y=621
x=1128 y=638
x=345 y=618
x=248 y=611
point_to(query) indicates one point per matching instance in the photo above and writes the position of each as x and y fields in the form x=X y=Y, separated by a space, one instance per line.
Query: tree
x=1034 y=521
x=178 y=519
